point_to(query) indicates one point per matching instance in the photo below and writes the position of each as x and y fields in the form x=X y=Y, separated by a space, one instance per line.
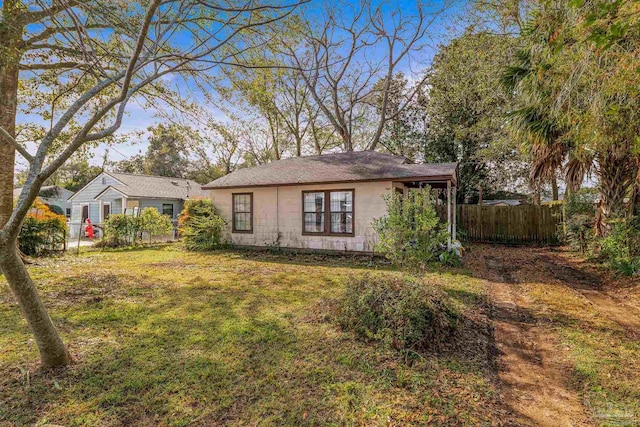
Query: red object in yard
x=88 y=229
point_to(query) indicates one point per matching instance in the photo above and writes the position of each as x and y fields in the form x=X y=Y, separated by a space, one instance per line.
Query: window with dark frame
x=341 y=212
x=167 y=209
x=328 y=212
x=314 y=212
x=242 y=204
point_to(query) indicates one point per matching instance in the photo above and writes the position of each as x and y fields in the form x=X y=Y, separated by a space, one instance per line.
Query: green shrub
x=620 y=248
x=126 y=230
x=121 y=230
x=403 y=313
x=42 y=230
x=410 y=235
x=154 y=224
x=195 y=208
x=201 y=227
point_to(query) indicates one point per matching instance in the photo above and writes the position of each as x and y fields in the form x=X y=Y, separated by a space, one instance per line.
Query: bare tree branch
x=19 y=148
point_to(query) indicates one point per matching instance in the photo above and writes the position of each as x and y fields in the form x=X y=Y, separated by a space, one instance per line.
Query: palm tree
x=572 y=115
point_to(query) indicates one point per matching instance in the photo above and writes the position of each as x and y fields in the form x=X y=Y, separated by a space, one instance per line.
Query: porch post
x=449 y=214
x=455 y=213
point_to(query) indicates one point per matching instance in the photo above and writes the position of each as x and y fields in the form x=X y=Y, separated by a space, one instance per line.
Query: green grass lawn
x=164 y=337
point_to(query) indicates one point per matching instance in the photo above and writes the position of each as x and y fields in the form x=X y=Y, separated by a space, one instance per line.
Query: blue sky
x=139 y=118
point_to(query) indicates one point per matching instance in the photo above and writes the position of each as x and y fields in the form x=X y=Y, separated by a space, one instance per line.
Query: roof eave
x=423 y=178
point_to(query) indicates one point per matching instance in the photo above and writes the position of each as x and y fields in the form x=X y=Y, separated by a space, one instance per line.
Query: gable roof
x=335 y=168
x=153 y=187
x=47 y=191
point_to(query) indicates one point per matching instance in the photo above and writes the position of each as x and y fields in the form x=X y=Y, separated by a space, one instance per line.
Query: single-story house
x=52 y=195
x=325 y=202
x=115 y=193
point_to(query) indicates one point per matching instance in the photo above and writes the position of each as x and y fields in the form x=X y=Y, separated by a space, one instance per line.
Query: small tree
x=121 y=230
x=154 y=223
x=410 y=235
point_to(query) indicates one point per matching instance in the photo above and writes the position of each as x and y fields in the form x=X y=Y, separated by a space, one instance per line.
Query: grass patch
x=164 y=337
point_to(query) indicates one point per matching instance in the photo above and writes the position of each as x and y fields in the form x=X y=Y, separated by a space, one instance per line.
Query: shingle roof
x=334 y=168
x=43 y=190
x=155 y=187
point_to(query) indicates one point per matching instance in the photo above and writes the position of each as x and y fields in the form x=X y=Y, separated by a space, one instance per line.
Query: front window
x=314 y=212
x=243 y=213
x=328 y=212
x=167 y=209
x=342 y=212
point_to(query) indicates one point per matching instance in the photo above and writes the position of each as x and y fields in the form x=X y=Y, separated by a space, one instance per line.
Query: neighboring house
x=323 y=202
x=114 y=193
x=52 y=195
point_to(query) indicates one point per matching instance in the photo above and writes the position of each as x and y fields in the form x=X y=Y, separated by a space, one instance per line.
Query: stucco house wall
x=277 y=216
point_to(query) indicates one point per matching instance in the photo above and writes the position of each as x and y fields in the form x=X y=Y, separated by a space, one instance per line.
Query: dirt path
x=533 y=368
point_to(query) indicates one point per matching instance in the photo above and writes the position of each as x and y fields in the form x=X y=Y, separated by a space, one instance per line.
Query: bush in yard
x=404 y=313
x=200 y=225
x=154 y=223
x=42 y=230
x=121 y=230
x=621 y=247
x=195 y=208
x=410 y=235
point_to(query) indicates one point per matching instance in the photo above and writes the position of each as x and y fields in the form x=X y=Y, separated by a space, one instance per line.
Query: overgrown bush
x=154 y=224
x=42 y=230
x=404 y=313
x=201 y=227
x=621 y=247
x=121 y=230
x=411 y=234
x=126 y=230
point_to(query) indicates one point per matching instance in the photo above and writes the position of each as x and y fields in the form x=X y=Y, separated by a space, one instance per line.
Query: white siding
x=277 y=216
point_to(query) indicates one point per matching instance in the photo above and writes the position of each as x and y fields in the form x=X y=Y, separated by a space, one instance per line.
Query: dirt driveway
x=567 y=334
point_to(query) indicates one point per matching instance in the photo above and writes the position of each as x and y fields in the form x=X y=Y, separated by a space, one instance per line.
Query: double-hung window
x=242 y=205
x=314 y=211
x=328 y=212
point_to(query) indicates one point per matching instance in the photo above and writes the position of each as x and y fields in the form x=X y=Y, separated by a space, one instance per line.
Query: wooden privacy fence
x=508 y=224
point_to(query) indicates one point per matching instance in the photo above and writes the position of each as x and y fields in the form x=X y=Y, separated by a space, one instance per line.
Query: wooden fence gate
x=508 y=224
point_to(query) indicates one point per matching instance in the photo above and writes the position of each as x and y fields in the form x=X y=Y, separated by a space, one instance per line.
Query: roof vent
x=175 y=183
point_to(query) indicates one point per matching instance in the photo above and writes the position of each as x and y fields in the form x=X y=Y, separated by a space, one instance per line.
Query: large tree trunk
x=52 y=350
x=10 y=37
x=616 y=175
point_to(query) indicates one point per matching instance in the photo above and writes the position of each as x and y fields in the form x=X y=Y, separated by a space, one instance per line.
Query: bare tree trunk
x=10 y=37
x=52 y=350
x=536 y=195
x=554 y=188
